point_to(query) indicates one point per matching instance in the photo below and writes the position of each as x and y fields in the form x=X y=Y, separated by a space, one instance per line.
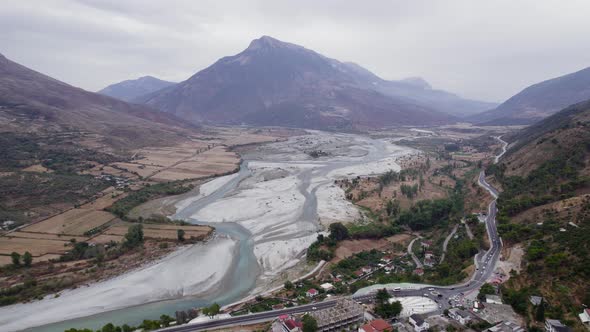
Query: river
x=253 y=264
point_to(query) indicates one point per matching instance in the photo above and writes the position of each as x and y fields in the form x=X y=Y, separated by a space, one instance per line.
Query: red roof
x=312 y=291
x=291 y=324
x=380 y=325
x=283 y=317
x=368 y=328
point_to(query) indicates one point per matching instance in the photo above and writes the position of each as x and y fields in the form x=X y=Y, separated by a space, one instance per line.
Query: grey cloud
x=479 y=49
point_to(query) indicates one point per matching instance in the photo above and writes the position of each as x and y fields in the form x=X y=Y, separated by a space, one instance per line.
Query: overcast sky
x=487 y=49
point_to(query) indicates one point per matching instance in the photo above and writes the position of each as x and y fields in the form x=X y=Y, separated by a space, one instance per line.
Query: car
x=425 y=294
x=314 y=308
x=439 y=295
x=430 y=289
x=397 y=289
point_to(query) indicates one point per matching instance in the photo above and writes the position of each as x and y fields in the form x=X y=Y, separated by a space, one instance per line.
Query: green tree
x=212 y=310
x=15 y=258
x=309 y=324
x=540 y=313
x=180 y=235
x=288 y=285
x=382 y=296
x=27 y=259
x=338 y=231
x=134 y=236
x=108 y=328
x=486 y=289
x=166 y=320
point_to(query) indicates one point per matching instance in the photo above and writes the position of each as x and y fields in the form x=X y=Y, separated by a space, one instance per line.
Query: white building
x=459 y=315
x=418 y=323
x=495 y=299
x=327 y=286
x=585 y=317
x=554 y=325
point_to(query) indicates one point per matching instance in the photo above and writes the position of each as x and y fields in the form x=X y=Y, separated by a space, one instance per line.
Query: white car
x=430 y=289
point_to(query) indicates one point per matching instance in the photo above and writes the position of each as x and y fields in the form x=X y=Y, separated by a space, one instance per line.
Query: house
x=327 y=286
x=358 y=273
x=554 y=325
x=389 y=268
x=339 y=317
x=291 y=325
x=535 y=300
x=418 y=323
x=367 y=269
x=419 y=272
x=386 y=259
x=495 y=299
x=312 y=292
x=429 y=255
x=377 y=325
x=429 y=262
x=426 y=244
x=459 y=315
x=505 y=327
x=585 y=317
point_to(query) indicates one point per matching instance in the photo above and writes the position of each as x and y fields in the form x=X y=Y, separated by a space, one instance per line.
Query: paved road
x=411 y=252
x=250 y=319
x=446 y=243
x=485 y=263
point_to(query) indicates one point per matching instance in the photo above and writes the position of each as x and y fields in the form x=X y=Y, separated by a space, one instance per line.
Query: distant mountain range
x=278 y=83
x=539 y=101
x=131 y=89
x=31 y=102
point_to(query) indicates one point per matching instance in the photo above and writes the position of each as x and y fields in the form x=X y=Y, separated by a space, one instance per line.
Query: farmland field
x=73 y=222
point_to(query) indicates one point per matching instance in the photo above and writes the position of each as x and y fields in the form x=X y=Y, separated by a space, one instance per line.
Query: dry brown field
x=106 y=238
x=74 y=222
x=156 y=231
x=45 y=236
x=36 y=247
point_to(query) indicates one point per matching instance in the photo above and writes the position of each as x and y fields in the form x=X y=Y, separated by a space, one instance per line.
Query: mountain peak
x=418 y=82
x=267 y=42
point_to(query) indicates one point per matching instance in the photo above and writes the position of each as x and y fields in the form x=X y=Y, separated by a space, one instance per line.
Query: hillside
x=544 y=207
x=540 y=100
x=131 y=89
x=31 y=102
x=278 y=83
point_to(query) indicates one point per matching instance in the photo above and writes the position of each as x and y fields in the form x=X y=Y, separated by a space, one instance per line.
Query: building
x=367 y=269
x=287 y=323
x=554 y=325
x=418 y=323
x=312 y=292
x=505 y=327
x=377 y=325
x=346 y=312
x=327 y=286
x=419 y=272
x=495 y=299
x=585 y=317
x=459 y=315
x=535 y=300
x=386 y=259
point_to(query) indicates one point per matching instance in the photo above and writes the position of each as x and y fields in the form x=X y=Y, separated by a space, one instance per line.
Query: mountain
x=278 y=83
x=31 y=102
x=131 y=89
x=544 y=213
x=418 y=91
x=540 y=100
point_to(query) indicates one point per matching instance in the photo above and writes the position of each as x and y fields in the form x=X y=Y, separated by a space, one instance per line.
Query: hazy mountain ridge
x=131 y=89
x=273 y=82
x=31 y=102
x=540 y=100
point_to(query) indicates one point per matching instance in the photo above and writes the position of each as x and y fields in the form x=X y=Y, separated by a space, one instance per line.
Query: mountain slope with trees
x=545 y=208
